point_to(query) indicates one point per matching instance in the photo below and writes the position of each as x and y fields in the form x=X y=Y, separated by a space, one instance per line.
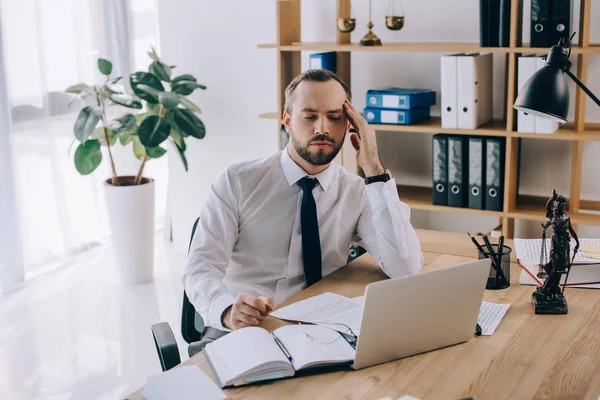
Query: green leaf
x=188 y=123
x=153 y=54
x=80 y=87
x=126 y=138
x=149 y=90
x=186 y=88
x=161 y=71
x=86 y=122
x=153 y=131
x=100 y=136
x=117 y=79
x=88 y=156
x=114 y=89
x=188 y=104
x=144 y=78
x=125 y=100
x=181 y=151
x=104 y=66
x=124 y=124
x=138 y=148
x=169 y=100
x=178 y=138
x=184 y=77
x=155 y=152
x=153 y=109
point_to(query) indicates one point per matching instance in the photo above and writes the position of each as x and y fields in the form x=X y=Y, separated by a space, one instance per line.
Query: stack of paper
x=585 y=271
x=182 y=383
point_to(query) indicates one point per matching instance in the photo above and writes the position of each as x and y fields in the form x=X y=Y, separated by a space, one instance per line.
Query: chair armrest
x=166 y=346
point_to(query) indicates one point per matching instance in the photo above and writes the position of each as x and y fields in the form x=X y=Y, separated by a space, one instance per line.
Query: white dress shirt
x=249 y=240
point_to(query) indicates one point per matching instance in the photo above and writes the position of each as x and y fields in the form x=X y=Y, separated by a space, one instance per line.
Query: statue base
x=544 y=304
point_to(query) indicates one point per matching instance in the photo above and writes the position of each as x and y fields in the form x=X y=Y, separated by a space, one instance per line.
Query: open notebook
x=253 y=354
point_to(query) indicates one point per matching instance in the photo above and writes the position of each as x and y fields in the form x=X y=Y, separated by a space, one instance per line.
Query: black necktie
x=311 y=243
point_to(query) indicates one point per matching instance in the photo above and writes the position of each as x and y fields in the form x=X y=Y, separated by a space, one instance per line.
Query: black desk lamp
x=546 y=93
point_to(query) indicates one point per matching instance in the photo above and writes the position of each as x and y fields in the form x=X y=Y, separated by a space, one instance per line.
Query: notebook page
x=247 y=349
x=529 y=250
x=314 y=344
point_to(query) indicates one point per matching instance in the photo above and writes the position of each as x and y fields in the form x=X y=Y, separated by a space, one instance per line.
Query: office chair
x=192 y=324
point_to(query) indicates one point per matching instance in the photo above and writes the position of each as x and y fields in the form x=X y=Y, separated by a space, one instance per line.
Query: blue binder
x=399 y=98
x=396 y=117
x=326 y=60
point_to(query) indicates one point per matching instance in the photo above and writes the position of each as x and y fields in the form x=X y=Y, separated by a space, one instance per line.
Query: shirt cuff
x=216 y=309
x=381 y=192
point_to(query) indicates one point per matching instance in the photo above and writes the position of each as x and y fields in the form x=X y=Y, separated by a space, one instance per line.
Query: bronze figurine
x=549 y=298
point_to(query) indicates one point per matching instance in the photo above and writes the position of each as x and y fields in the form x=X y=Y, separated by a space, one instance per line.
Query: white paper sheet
x=526 y=279
x=528 y=250
x=183 y=383
x=490 y=315
x=326 y=309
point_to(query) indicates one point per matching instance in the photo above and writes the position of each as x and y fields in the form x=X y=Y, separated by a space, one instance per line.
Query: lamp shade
x=546 y=93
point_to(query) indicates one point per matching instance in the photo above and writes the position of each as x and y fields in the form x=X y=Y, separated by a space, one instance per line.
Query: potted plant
x=160 y=113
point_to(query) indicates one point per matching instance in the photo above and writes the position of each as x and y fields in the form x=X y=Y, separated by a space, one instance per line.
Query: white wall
x=217 y=42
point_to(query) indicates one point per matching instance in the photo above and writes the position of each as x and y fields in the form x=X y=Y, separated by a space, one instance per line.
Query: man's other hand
x=247 y=311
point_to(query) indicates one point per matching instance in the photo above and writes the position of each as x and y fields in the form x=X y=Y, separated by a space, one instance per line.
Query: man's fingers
x=247 y=319
x=256 y=303
x=251 y=311
x=269 y=302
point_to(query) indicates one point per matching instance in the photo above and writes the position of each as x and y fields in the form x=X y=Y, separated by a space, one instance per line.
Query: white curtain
x=48 y=46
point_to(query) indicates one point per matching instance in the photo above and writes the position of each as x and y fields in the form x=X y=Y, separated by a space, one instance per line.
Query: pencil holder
x=498 y=280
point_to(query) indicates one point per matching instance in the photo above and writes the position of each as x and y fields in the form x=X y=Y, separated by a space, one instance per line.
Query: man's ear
x=348 y=126
x=286 y=121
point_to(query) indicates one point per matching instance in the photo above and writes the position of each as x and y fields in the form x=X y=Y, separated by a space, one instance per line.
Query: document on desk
x=490 y=315
x=328 y=309
x=529 y=250
x=182 y=383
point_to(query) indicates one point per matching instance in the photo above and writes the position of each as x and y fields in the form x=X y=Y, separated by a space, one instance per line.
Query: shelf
x=492 y=128
x=419 y=47
x=420 y=198
x=533 y=208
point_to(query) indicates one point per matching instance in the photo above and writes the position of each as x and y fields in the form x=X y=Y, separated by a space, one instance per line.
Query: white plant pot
x=131 y=217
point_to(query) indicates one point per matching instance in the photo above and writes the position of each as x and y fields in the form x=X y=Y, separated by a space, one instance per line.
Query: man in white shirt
x=274 y=226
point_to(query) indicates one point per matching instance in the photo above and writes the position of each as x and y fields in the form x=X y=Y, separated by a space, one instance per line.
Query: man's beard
x=320 y=157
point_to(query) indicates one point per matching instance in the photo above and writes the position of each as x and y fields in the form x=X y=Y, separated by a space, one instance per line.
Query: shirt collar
x=293 y=172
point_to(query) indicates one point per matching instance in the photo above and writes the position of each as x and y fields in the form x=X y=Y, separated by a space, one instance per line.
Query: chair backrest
x=192 y=324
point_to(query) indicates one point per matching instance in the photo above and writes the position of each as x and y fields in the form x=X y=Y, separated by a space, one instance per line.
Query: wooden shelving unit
x=289 y=46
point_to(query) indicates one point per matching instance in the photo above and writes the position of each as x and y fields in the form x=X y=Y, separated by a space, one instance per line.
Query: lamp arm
x=583 y=87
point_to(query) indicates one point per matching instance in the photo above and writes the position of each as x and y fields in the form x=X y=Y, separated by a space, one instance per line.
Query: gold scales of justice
x=394 y=21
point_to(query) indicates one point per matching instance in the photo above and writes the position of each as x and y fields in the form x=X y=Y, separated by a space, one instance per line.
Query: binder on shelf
x=476 y=173
x=396 y=117
x=504 y=23
x=526 y=67
x=560 y=20
x=449 y=90
x=440 y=169
x=475 y=89
x=543 y=125
x=540 y=23
x=494 y=173
x=457 y=171
x=327 y=60
x=400 y=98
x=484 y=23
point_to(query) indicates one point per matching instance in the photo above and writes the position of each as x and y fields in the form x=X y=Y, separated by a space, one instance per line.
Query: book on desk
x=253 y=354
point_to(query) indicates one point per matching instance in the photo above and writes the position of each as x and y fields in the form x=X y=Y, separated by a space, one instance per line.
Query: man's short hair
x=312 y=75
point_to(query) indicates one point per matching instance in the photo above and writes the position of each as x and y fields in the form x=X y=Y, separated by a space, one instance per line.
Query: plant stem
x=139 y=176
x=100 y=100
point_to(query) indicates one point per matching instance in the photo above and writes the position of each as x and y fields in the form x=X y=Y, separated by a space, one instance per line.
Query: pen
x=282 y=347
x=494 y=258
x=476 y=243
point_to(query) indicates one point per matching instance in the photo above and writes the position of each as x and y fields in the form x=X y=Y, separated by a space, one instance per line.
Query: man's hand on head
x=247 y=310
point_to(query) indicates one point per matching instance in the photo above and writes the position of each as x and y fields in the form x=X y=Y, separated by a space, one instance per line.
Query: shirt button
x=387 y=191
x=281 y=284
x=298 y=231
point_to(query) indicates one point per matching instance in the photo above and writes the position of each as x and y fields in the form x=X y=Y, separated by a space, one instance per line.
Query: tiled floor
x=77 y=333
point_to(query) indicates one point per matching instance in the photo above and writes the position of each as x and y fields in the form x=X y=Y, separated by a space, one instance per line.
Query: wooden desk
x=529 y=356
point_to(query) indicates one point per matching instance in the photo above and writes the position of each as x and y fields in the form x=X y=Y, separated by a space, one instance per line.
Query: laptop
x=419 y=313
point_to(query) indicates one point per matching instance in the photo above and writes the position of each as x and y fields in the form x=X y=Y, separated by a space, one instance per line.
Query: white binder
x=527 y=65
x=449 y=95
x=543 y=125
x=475 y=89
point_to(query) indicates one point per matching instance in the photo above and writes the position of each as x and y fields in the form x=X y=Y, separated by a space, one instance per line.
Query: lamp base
x=549 y=304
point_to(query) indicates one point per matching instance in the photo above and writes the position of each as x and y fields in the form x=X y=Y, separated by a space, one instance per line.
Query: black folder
x=504 y=23
x=476 y=173
x=560 y=20
x=494 y=176
x=440 y=169
x=540 y=23
x=458 y=171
